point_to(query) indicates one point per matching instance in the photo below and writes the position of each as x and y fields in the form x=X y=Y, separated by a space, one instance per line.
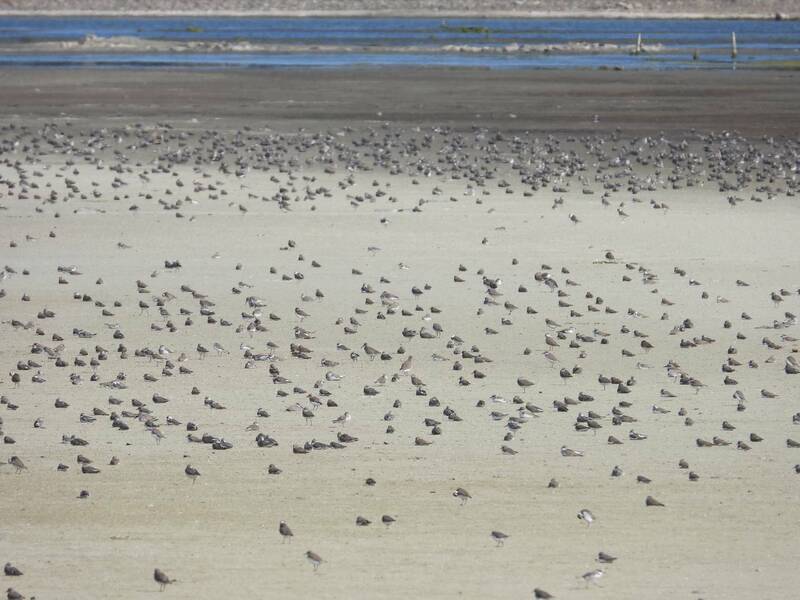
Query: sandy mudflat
x=225 y=169
x=754 y=103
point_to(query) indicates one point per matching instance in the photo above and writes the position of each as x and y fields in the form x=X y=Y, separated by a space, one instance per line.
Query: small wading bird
x=499 y=537
x=191 y=473
x=285 y=531
x=314 y=559
x=161 y=579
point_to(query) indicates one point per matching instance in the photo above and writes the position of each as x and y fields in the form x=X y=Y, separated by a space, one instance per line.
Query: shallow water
x=344 y=42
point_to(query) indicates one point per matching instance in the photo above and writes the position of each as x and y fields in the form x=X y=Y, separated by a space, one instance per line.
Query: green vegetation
x=782 y=65
x=466 y=29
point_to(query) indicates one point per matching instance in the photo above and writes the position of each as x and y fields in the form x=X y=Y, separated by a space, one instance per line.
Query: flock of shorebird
x=569 y=326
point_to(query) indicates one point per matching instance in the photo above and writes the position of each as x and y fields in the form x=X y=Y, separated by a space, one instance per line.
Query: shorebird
x=405 y=368
x=499 y=537
x=370 y=351
x=524 y=383
x=462 y=495
x=605 y=558
x=11 y=571
x=161 y=579
x=191 y=473
x=285 y=531
x=156 y=433
x=569 y=452
x=343 y=418
x=586 y=516
x=314 y=559
x=791 y=366
x=16 y=462
x=593 y=576
x=541 y=594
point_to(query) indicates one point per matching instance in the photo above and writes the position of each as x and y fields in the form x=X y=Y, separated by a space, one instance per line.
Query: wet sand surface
x=754 y=103
x=667 y=262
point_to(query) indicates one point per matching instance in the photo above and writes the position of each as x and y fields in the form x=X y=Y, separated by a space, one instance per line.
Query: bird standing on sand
x=161 y=579
x=593 y=576
x=499 y=537
x=371 y=352
x=387 y=520
x=191 y=473
x=16 y=462
x=285 y=531
x=605 y=558
x=405 y=368
x=524 y=383
x=314 y=559
x=344 y=418
x=462 y=495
